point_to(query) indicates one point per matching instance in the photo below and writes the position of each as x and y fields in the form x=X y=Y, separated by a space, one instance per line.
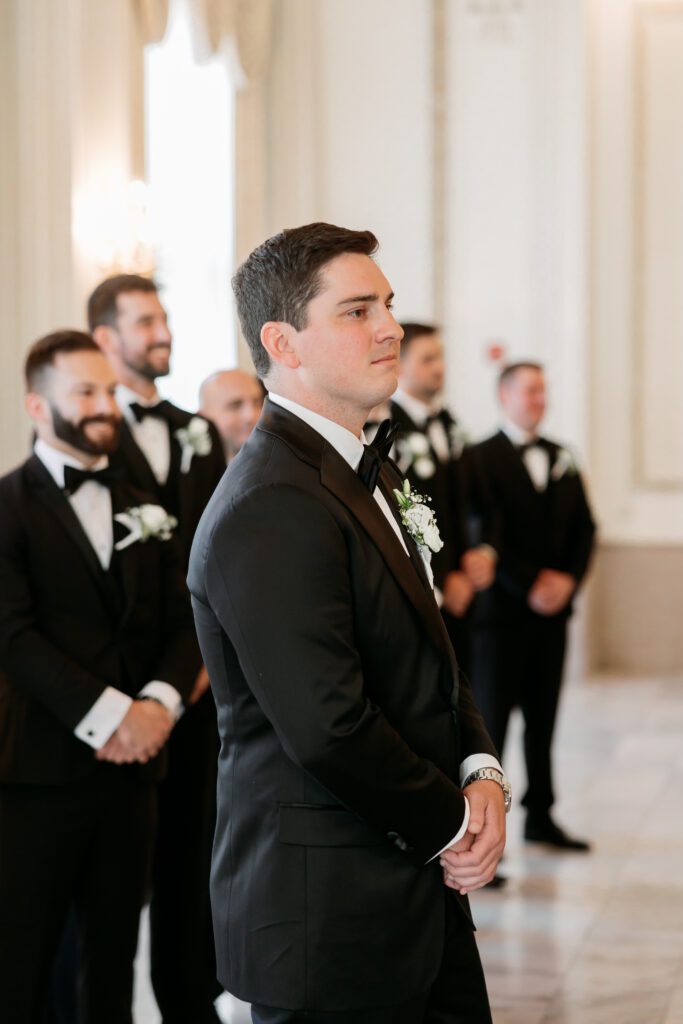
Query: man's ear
x=37 y=407
x=105 y=337
x=277 y=339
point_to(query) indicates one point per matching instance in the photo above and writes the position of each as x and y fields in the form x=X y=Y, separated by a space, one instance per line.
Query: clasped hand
x=140 y=736
x=551 y=592
x=471 y=862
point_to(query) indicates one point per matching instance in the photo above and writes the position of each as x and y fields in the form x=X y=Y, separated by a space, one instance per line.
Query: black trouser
x=84 y=845
x=458 y=996
x=521 y=666
x=183 y=959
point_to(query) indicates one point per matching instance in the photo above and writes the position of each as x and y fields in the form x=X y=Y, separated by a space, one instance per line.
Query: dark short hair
x=42 y=354
x=279 y=279
x=412 y=330
x=102 y=304
x=509 y=371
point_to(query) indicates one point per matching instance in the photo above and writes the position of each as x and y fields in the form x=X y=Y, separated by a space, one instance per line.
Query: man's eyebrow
x=373 y=297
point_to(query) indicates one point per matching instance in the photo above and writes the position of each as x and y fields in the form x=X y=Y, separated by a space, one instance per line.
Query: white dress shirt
x=350 y=448
x=536 y=459
x=92 y=506
x=152 y=435
x=419 y=413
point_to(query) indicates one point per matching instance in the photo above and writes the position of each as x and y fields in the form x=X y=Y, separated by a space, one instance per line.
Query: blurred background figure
x=232 y=400
x=177 y=456
x=544 y=535
x=431 y=452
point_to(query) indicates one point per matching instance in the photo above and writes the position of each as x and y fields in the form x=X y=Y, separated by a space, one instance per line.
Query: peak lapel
x=338 y=477
x=60 y=508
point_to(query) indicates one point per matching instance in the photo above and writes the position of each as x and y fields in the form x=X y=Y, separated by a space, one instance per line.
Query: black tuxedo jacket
x=68 y=629
x=185 y=495
x=342 y=731
x=553 y=529
x=449 y=489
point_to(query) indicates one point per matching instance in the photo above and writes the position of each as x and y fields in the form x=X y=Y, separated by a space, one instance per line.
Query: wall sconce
x=112 y=229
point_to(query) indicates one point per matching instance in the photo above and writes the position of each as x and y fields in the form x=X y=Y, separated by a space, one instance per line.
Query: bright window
x=190 y=171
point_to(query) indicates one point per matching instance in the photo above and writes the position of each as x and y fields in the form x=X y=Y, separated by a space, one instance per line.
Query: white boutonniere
x=565 y=463
x=145 y=522
x=415 y=455
x=459 y=439
x=195 y=439
x=418 y=518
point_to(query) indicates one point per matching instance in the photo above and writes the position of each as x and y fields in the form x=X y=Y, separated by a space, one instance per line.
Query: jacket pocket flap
x=315 y=825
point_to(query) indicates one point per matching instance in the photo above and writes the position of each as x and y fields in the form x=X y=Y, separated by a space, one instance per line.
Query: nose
x=389 y=329
x=164 y=332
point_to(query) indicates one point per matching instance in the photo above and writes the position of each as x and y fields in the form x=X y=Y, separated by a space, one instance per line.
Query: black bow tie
x=73 y=478
x=376 y=454
x=536 y=443
x=160 y=411
x=437 y=417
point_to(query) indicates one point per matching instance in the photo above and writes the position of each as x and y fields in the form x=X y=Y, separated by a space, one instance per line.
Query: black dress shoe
x=552 y=835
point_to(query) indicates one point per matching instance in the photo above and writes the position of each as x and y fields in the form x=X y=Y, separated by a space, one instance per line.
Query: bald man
x=232 y=399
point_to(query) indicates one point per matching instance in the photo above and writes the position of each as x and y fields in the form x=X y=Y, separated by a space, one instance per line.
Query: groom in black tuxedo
x=97 y=651
x=179 y=457
x=545 y=534
x=360 y=797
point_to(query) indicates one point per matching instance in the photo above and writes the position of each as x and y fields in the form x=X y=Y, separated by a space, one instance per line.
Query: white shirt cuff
x=476 y=761
x=458 y=836
x=104 y=718
x=166 y=695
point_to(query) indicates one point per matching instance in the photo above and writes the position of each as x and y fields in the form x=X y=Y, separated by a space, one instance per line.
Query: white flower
x=564 y=463
x=195 y=439
x=144 y=522
x=418 y=519
x=424 y=467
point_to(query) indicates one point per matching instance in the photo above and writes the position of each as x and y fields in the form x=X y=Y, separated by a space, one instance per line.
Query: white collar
x=55 y=460
x=125 y=397
x=415 y=407
x=342 y=440
x=516 y=434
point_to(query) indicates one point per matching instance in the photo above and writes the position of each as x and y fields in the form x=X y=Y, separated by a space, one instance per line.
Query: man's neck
x=349 y=417
x=86 y=459
x=142 y=386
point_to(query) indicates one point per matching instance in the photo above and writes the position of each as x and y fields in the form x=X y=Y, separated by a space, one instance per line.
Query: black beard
x=145 y=369
x=74 y=433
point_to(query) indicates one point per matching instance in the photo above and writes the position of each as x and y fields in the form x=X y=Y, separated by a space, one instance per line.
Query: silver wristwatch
x=492 y=775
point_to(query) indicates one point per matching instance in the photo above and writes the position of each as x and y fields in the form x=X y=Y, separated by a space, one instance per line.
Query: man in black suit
x=545 y=534
x=431 y=452
x=97 y=650
x=179 y=457
x=350 y=772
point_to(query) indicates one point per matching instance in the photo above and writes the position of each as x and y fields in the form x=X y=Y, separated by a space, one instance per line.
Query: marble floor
x=575 y=938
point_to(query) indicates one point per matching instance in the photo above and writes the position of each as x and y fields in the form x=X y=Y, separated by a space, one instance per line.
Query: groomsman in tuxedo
x=97 y=651
x=545 y=534
x=232 y=400
x=431 y=452
x=179 y=457
x=360 y=798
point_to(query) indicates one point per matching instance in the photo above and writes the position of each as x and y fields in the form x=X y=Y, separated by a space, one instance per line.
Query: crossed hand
x=551 y=592
x=140 y=736
x=471 y=862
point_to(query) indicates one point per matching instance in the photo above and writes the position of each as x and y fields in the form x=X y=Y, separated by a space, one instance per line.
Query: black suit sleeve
x=180 y=660
x=36 y=665
x=583 y=534
x=294 y=635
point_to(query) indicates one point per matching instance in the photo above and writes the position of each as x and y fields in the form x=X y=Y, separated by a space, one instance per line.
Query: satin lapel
x=59 y=507
x=129 y=558
x=337 y=476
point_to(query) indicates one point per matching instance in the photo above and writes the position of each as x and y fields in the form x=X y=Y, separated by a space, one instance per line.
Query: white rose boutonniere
x=565 y=463
x=415 y=455
x=145 y=522
x=195 y=439
x=418 y=519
